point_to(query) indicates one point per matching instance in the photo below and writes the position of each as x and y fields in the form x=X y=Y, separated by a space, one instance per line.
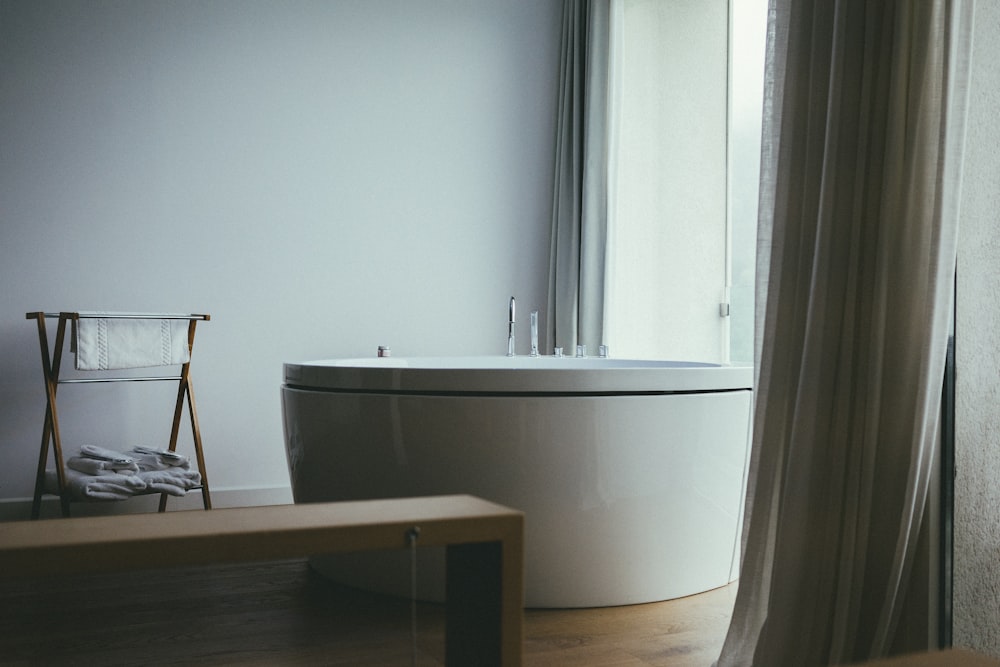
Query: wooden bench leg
x=481 y=628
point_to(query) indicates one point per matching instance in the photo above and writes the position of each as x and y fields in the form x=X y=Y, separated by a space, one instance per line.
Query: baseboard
x=15 y=509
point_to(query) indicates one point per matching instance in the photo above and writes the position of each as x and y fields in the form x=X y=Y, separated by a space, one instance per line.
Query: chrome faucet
x=510 y=330
x=534 y=333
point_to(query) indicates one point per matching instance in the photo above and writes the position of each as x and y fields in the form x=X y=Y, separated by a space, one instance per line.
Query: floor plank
x=283 y=613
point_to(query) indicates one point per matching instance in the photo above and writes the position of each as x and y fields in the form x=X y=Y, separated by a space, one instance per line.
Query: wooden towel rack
x=50 y=430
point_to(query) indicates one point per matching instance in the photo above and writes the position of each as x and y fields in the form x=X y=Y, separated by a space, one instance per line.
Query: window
x=686 y=85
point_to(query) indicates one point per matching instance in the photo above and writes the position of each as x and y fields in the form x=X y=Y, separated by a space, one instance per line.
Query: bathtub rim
x=520 y=375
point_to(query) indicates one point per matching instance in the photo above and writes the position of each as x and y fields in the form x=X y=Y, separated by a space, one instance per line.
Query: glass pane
x=667 y=248
x=687 y=77
x=747 y=44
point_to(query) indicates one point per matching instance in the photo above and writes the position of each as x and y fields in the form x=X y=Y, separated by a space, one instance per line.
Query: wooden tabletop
x=195 y=537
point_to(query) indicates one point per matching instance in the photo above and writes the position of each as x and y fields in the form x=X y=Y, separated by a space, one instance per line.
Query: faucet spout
x=534 y=333
x=510 y=329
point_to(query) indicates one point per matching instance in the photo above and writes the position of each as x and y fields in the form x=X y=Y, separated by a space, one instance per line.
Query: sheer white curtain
x=864 y=121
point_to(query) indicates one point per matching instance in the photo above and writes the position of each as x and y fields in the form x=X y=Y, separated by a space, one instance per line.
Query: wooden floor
x=284 y=614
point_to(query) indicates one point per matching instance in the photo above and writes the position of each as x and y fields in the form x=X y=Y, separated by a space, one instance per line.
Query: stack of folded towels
x=96 y=473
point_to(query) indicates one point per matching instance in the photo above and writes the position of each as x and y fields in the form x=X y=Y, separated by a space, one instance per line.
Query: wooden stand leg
x=481 y=627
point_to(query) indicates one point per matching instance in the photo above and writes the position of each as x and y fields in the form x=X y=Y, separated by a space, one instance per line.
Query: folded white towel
x=116 y=343
x=186 y=478
x=174 y=482
x=90 y=487
x=167 y=488
x=98 y=467
x=158 y=459
x=109 y=455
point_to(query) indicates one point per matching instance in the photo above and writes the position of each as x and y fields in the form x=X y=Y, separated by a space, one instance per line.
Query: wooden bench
x=483 y=540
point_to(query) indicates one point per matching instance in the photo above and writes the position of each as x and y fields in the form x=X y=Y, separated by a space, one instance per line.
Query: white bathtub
x=630 y=473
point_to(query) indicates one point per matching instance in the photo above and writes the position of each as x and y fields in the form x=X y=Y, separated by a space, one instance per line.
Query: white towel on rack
x=158 y=459
x=90 y=487
x=97 y=467
x=174 y=482
x=107 y=343
x=107 y=455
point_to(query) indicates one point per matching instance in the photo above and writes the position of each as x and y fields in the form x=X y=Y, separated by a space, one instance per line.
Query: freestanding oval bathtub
x=630 y=473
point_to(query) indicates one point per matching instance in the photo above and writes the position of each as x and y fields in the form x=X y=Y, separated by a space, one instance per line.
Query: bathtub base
x=627 y=499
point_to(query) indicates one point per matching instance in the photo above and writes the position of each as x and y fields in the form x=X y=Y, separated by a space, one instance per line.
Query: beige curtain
x=864 y=122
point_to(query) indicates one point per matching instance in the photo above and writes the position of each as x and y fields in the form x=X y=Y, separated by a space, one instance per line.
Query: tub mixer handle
x=510 y=329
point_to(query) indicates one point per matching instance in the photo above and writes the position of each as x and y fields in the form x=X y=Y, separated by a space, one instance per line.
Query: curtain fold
x=580 y=209
x=861 y=167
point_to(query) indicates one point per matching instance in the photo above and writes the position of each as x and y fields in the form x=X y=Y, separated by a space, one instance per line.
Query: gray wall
x=321 y=177
x=977 y=456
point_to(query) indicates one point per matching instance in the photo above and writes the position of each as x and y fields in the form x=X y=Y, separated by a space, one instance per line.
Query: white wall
x=320 y=177
x=977 y=346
